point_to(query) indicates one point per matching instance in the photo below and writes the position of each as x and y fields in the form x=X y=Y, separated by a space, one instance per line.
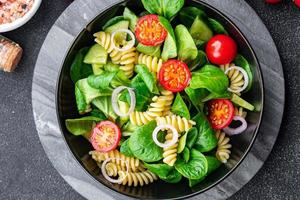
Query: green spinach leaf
x=180 y=108
x=112 y=21
x=200 y=61
x=196 y=96
x=79 y=69
x=104 y=104
x=200 y=31
x=131 y=17
x=170 y=47
x=206 y=140
x=217 y=27
x=124 y=149
x=101 y=81
x=142 y=145
x=148 y=78
x=187 y=15
x=192 y=137
x=166 y=8
x=186 y=154
x=149 y=50
x=182 y=143
x=98 y=113
x=196 y=168
x=82 y=125
x=211 y=78
x=165 y=172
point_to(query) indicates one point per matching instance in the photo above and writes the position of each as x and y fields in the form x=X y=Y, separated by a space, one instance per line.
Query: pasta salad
x=161 y=95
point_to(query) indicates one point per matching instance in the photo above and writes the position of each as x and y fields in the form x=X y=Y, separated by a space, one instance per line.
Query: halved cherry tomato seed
x=174 y=75
x=149 y=31
x=105 y=136
x=220 y=113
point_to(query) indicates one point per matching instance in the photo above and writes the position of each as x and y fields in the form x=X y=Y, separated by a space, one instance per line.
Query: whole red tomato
x=221 y=49
x=297 y=2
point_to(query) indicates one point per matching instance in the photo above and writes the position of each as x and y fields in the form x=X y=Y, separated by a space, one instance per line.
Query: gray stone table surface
x=26 y=172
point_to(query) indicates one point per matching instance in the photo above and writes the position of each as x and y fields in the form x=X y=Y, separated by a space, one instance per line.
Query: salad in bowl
x=161 y=94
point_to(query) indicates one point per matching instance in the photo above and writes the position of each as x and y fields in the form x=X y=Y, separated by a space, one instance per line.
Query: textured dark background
x=26 y=172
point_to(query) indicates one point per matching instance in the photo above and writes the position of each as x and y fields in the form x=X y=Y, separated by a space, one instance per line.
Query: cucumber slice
x=96 y=55
x=241 y=102
x=133 y=19
x=200 y=31
x=124 y=24
x=97 y=69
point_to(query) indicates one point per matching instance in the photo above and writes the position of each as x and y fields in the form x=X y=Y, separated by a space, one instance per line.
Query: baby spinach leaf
x=148 y=78
x=166 y=8
x=104 y=104
x=187 y=49
x=187 y=15
x=79 y=69
x=131 y=17
x=200 y=61
x=165 y=172
x=206 y=140
x=101 y=81
x=124 y=149
x=211 y=78
x=217 y=27
x=186 y=155
x=192 y=137
x=142 y=145
x=242 y=62
x=99 y=114
x=225 y=95
x=212 y=164
x=180 y=108
x=82 y=125
x=196 y=96
x=149 y=50
x=170 y=48
x=112 y=21
x=128 y=129
x=196 y=168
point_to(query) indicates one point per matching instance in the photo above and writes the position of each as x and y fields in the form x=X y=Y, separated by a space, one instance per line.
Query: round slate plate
x=70 y=24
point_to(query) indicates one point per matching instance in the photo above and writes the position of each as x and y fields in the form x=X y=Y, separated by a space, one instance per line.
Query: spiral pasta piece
x=170 y=153
x=153 y=63
x=137 y=178
x=235 y=76
x=181 y=124
x=111 y=169
x=134 y=163
x=240 y=112
x=125 y=58
x=160 y=106
x=223 y=152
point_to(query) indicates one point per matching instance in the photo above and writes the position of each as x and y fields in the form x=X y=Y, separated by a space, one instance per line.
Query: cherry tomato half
x=105 y=136
x=149 y=31
x=174 y=75
x=220 y=113
x=221 y=49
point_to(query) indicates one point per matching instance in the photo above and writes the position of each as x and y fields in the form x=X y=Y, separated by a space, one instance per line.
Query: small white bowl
x=21 y=21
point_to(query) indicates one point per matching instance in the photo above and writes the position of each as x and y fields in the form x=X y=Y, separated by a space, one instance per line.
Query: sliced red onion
x=238 y=130
x=130 y=43
x=245 y=75
x=169 y=143
x=114 y=100
x=103 y=170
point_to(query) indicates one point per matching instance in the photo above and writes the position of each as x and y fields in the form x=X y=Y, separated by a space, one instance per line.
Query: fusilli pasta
x=126 y=58
x=111 y=169
x=240 y=112
x=153 y=63
x=137 y=178
x=170 y=153
x=236 y=77
x=134 y=163
x=223 y=152
x=181 y=124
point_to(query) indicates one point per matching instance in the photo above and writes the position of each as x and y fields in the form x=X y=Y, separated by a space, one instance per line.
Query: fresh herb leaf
x=179 y=107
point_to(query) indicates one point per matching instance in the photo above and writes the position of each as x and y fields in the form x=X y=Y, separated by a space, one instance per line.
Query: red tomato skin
x=185 y=68
x=231 y=114
x=273 y=1
x=94 y=133
x=221 y=49
x=297 y=3
x=150 y=42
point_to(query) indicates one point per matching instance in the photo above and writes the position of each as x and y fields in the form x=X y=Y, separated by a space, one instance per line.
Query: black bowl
x=66 y=108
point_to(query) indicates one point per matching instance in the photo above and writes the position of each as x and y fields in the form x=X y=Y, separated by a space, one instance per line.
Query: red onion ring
x=130 y=43
x=238 y=130
x=114 y=100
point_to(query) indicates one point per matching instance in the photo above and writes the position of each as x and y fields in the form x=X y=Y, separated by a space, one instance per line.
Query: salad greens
x=155 y=100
